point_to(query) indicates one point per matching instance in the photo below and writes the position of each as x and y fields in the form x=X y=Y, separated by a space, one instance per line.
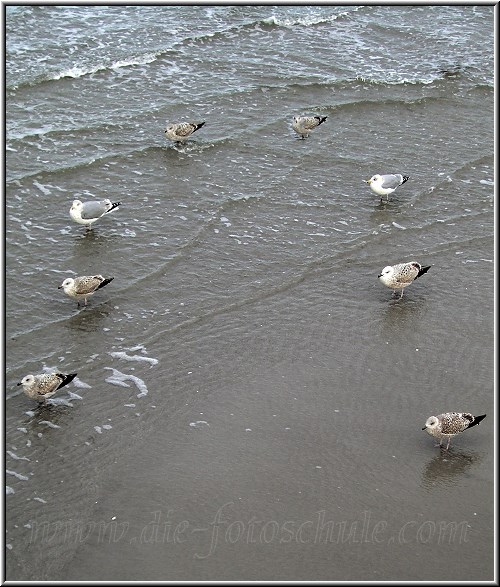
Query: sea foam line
x=119 y=378
x=80 y=71
x=124 y=356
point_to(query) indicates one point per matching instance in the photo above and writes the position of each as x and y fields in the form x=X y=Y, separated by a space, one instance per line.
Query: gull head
x=28 y=380
x=68 y=282
x=431 y=424
x=386 y=272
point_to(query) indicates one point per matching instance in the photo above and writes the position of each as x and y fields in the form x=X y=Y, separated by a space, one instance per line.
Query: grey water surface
x=250 y=397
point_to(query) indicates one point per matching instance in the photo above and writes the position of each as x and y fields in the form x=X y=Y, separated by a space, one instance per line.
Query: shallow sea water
x=250 y=398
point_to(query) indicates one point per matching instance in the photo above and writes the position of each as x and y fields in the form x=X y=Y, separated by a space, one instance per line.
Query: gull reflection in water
x=448 y=466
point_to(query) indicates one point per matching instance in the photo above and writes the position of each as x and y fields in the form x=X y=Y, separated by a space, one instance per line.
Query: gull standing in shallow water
x=41 y=387
x=84 y=286
x=303 y=125
x=88 y=212
x=450 y=424
x=401 y=275
x=181 y=131
x=383 y=185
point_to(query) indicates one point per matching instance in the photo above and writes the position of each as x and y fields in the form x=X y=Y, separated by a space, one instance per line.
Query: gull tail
x=113 y=206
x=66 y=378
x=105 y=282
x=477 y=420
x=423 y=270
x=405 y=178
x=320 y=119
x=198 y=125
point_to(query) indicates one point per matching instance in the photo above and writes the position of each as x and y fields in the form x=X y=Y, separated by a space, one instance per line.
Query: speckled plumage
x=383 y=185
x=402 y=275
x=303 y=125
x=181 y=131
x=88 y=212
x=84 y=286
x=41 y=387
x=450 y=424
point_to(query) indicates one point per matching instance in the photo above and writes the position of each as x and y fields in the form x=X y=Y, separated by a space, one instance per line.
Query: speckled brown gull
x=41 y=387
x=84 y=286
x=179 y=132
x=303 y=125
x=450 y=424
x=402 y=275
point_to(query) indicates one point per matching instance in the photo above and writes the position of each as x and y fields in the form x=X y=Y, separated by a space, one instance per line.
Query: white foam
x=17 y=475
x=198 y=423
x=119 y=378
x=60 y=401
x=80 y=71
x=125 y=357
x=49 y=424
x=77 y=382
x=309 y=20
x=15 y=457
x=42 y=188
x=73 y=395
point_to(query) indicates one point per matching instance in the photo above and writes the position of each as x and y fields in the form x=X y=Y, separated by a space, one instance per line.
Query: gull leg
x=447 y=446
x=402 y=290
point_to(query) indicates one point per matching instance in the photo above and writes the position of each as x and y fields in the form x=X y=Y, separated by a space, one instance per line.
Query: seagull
x=84 y=286
x=88 y=212
x=450 y=424
x=41 y=387
x=181 y=131
x=401 y=275
x=383 y=185
x=303 y=125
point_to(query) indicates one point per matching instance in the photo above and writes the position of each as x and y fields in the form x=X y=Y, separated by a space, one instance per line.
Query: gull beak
x=59 y=287
x=424 y=428
x=19 y=383
x=379 y=275
x=367 y=180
